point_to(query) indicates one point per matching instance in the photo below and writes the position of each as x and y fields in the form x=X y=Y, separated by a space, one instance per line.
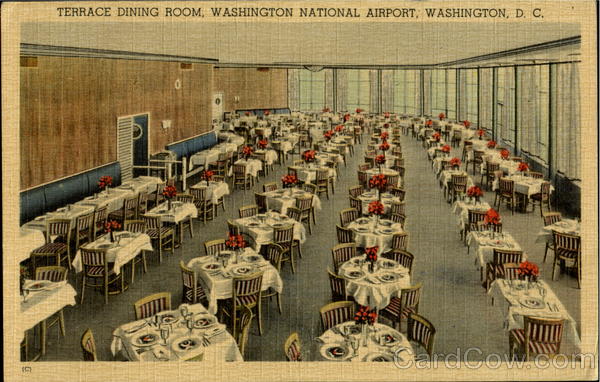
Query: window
x=359 y=87
x=312 y=90
x=505 y=107
x=542 y=111
x=406 y=90
x=451 y=93
x=486 y=101
x=438 y=92
x=471 y=97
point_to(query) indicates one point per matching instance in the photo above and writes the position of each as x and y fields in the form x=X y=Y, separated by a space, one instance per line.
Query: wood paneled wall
x=256 y=89
x=70 y=106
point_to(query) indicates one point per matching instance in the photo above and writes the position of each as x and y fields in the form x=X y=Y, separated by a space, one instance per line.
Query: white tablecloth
x=42 y=304
x=567 y=226
x=121 y=251
x=524 y=184
x=204 y=157
x=446 y=177
x=29 y=239
x=215 y=191
x=220 y=287
x=309 y=174
x=508 y=300
x=253 y=166
x=178 y=213
x=484 y=245
x=281 y=200
x=386 y=199
x=461 y=208
x=141 y=184
x=369 y=289
x=262 y=233
x=402 y=349
x=230 y=137
x=222 y=345
x=369 y=234
x=270 y=155
x=113 y=200
x=73 y=213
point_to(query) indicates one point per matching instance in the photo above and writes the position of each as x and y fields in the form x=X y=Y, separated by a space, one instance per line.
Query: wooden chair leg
x=279 y=302
x=106 y=290
x=82 y=288
x=259 y=318
x=144 y=261
x=61 y=322
x=43 y=336
x=132 y=270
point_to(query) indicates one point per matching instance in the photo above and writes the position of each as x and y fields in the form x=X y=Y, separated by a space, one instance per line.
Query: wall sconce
x=236 y=99
x=166 y=124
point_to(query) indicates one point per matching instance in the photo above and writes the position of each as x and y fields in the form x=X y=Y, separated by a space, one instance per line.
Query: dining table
x=126 y=246
x=205 y=157
x=374 y=288
x=281 y=200
x=524 y=188
x=385 y=171
x=351 y=342
x=29 y=239
x=446 y=178
x=230 y=137
x=111 y=199
x=216 y=273
x=252 y=166
x=462 y=207
x=215 y=190
x=188 y=333
x=370 y=196
x=261 y=227
x=518 y=298
x=178 y=213
x=374 y=231
x=307 y=172
x=484 y=243
x=270 y=155
x=70 y=212
x=565 y=226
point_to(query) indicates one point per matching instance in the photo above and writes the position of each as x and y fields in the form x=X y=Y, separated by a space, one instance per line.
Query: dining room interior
x=285 y=192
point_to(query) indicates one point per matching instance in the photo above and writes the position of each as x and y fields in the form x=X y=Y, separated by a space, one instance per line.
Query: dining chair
x=550 y=218
x=268 y=187
x=364 y=167
x=392 y=181
x=398 y=208
x=136 y=226
x=305 y=205
x=142 y=205
x=214 y=247
x=274 y=255
x=261 y=201
x=292 y=348
x=401 y=307
x=474 y=222
x=241 y=337
x=338 y=287
x=84 y=226
x=542 y=197
x=100 y=218
x=458 y=186
x=506 y=192
x=127 y=211
x=232 y=227
x=59 y=249
x=534 y=174
x=344 y=235
x=421 y=331
x=495 y=269
x=88 y=346
x=567 y=248
x=322 y=181
x=398 y=218
x=400 y=240
x=538 y=336
x=355 y=191
x=241 y=178
x=309 y=187
x=398 y=192
x=402 y=257
x=489 y=175
x=204 y=205
x=246 y=292
x=151 y=305
x=284 y=236
x=96 y=272
x=363 y=179
x=193 y=292
x=348 y=215
x=477 y=160
x=467 y=148
x=341 y=253
x=336 y=313
x=55 y=274
x=356 y=203
x=160 y=233
x=248 y=211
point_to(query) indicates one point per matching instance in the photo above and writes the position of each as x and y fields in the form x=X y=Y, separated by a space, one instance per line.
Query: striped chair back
x=248 y=211
x=185 y=198
x=490 y=227
x=355 y=191
x=398 y=208
x=342 y=253
x=292 y=348
x=322 y=175
x=232 y=228
x=188 y=276
x=397 y=218
x=491 y=167
x=58 y=227
x=506 y=186
x=142 y=202
x=363 y=179
x=294 y=213
x=542 y=335
x=401 y=171
x=348 y=215
x=392 y=181
x=51 y=273
x=137 y=226
x=344 y=235
x=355 y=203
x=284 y=236
x=510 y=272
x=214 y=247
x=403 y=257
x=545 y=190
x=274 y=255
x=478 y=156
x=91 y=259
x=338 y=286
x=100 y=216
x=88 y=346
x=130 y=204
x=336 y=313
x=398 y=192
x=151 y=305
x=261 y=201
x=459 y=183
x=400 y=240
x=551 y=217
x=304 y=203
x=84 y=222
x=399 y=162
x=199 y=194
x=410 y=297
x=422 y=331
x=309 y=187
x=247 y=286
x=565 y=245
x=502 y=256
x=476 y=218
x=152 y=222
x=239 y=171
x=268 y=187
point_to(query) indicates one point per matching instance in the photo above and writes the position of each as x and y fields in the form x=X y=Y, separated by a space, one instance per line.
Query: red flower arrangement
x=376 y=208
x=528 y=269
x=346 y=117
x=263 y=143
x=474 y=192
x=380 y=159
x=522 y=167
x=384 y=146
x=445 y=149
x=371 y=253
x=326 y=110
x=384 y=136
x=491 y=144
x=328 y=135
x=235 y=242
x=436 y=136
x=492 y=217
x=247 y=114
x=504 y=153
x=339 y=128
x=480 y=133
x=266 y=112
x=378 y=181
x=247 y=151
x=207 y=175
x=111 y=225
x=386 y=125
x=441 y=116
x=309 y=156
x=454 y=162
x=365 y=316
x=359 y=110
x=169 y=192
x=429 y=122
x=289 y=180
x=105 y=181
x=466 y=123
x=386 y=114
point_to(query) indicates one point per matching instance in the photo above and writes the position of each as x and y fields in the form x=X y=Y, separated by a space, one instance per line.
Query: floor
x=453 y=299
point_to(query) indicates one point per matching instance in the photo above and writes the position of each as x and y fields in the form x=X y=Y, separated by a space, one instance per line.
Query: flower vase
x=21 y=284
x=112 y=236
x=380 y=169
x=169 y=204
x=365 y=334
x=371 y=267
x=477 y=200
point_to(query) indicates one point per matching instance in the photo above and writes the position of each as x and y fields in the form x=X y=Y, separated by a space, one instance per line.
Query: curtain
x=342 y=89
x=374 y=91
x=426 y=81
x=329 y=88
x=527 y=93
x=294 y=89
x=387 y=90
x=486 y=89
x=566 y=117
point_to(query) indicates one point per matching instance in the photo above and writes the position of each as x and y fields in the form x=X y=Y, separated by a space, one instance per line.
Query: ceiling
x=319 y=43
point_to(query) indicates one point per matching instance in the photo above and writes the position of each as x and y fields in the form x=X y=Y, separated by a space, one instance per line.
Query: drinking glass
x=189 y=322
x=354 y=344
x=25 y=294
x=164 y=332
x=183 y=309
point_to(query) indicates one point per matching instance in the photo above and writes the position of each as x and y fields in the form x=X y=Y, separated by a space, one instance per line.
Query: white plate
x=39 y=285
x=378 y=357
x=211 y=267
x=204 y=321
x=532 y=303
x=242 y=270
x=335 y=352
